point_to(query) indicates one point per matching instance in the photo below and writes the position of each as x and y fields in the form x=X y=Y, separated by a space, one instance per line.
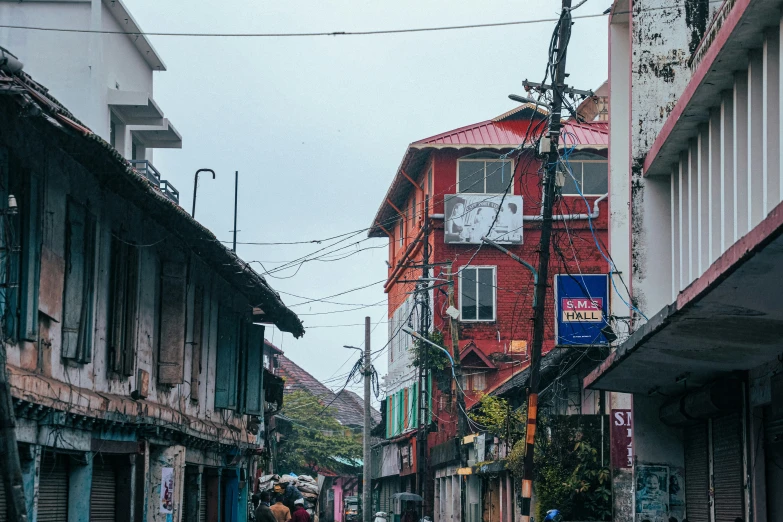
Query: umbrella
x=409 y=497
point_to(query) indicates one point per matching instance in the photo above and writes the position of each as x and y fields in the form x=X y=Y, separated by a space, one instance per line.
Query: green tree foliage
x=568 y=473
x=437 y=361
x=314 y=436
x=496 y=416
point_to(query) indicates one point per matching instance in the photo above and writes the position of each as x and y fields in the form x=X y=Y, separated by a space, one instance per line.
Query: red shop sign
x=621 y=438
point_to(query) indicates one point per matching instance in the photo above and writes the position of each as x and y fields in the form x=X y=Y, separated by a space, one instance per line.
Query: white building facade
x=695 y=200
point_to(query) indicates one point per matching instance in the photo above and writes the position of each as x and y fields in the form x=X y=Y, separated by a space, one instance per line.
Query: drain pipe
x=570 y=217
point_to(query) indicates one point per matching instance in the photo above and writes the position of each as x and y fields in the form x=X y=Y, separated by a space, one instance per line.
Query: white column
x=674 y=210
x=727 y=170
x=714 y=215
x=740 y=156
x=756 y=182
x=703 y=197
x=682 y=221
x=771 y=115
x=693 y=209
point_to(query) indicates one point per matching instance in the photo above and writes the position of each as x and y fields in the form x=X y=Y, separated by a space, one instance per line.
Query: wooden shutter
x=30 y=258
x=697 y=473
x=254 y=370
x=196 y=344
x=173 y=295
x=226 y=366
x=79 y=283
x=123 y=274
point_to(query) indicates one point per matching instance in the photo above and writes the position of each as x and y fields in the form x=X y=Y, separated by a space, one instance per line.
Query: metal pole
x=424 y=328
x=16 y=507
x=236 y=197
x=462 y=421
x=366 y=486
x=195 y=188
x=543 y=259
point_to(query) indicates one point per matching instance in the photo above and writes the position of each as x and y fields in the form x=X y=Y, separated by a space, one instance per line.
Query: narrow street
x=410 y=282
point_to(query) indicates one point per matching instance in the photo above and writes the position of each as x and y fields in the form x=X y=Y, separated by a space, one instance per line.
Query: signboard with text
x=621 y=439
x=581 y=308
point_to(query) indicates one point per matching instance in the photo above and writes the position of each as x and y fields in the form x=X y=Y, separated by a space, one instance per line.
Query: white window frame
x=485 y=160
x=494 y=294
x=580 y=176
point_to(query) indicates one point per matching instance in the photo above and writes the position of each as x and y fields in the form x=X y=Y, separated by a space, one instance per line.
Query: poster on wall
x=652 y=495
x=581 y=308
x=469 y=217
x=677 y=493
x=167 y=490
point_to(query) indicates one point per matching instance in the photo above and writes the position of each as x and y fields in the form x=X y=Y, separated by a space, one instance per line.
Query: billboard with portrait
x=469 y=217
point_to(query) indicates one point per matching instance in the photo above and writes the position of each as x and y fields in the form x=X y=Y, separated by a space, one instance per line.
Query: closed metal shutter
x=202 y=500
x=727 y=468
x=2 y=501
x=53 y=488
x=697 y=473
x=103 y=495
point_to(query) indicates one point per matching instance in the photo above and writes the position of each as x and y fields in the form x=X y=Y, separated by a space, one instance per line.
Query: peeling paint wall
x=661 y=38
x=61 y=178
x=664 y=36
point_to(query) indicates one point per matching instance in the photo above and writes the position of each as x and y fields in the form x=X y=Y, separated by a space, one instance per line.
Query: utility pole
x=558 y=82
x=424 y=328
x=366 y=483
x=462 y=421
x=236 y=198
x=10 y=467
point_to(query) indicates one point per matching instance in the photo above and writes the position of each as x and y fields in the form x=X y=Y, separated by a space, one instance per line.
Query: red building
x=482 y=179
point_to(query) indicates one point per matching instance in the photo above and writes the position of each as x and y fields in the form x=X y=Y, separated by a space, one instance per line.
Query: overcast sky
x=317 y=127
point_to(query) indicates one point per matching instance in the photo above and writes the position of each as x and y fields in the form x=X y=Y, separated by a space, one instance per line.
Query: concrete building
x=134 y=339
x=481 y=179
x=104 y=75
x=696 y=218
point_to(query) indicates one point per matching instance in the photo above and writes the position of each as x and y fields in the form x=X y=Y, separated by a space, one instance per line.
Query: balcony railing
x=146 y=169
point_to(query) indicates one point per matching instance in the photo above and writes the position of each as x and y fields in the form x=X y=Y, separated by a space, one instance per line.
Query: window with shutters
x=196 y=342
x=226 y=368
x=79 y=298
x=123 y=306
x=254 y=370
x=173 y=296
x=21 y=235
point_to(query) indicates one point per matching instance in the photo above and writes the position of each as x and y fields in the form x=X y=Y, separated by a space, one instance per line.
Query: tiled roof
x=21 y=94
x=347 y=410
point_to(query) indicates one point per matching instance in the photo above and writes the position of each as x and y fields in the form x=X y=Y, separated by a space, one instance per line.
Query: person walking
x=263 y=512
x=280 y=511
x=300 y=513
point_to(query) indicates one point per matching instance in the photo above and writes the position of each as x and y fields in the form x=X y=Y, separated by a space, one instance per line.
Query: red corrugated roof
x=512 y=133
x=503 y=132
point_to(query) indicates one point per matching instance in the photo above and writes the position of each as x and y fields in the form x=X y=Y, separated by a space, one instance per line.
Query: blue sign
x=581 y=308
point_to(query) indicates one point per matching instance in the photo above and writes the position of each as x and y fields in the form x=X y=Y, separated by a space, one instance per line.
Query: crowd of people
x=290 y=506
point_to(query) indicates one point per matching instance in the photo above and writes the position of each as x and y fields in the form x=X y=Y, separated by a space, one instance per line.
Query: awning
x=163 y=136
x=730 y=318
x=135 y=108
